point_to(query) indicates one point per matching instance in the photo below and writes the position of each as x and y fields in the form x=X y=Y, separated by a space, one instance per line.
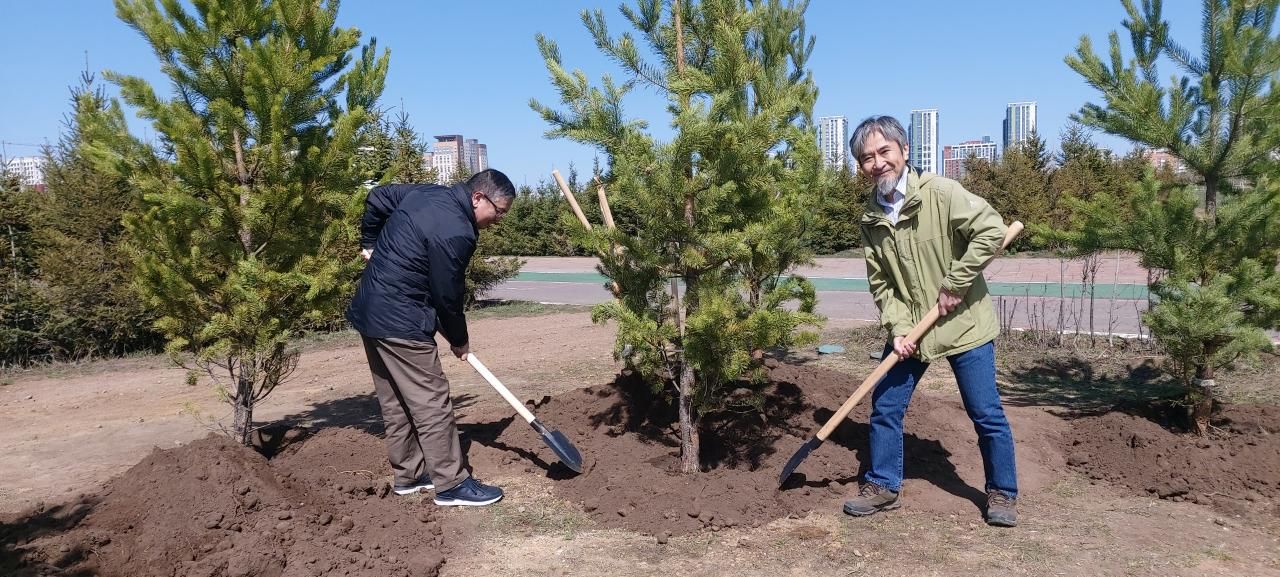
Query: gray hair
x=887 y=126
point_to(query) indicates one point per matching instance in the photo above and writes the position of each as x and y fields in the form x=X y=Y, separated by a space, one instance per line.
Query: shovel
x=564 y=450
x=874 y=378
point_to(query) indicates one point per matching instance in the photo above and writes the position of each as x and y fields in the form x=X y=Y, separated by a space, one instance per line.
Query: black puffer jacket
x=422 y=237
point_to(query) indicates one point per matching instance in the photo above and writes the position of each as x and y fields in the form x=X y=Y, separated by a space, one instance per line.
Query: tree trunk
x=13 y=257
x=1201 y=399
x=242 y=175
x=244 y=410
x=690 y=443
x=690 y=459
x=1211 y=198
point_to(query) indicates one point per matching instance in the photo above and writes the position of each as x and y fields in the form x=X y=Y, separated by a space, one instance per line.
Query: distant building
x=1161 y=158
x=955 y=155
x=30 y=169
x=1019 y=123
x=922 y=136
x=833 y=141
x=450 y=150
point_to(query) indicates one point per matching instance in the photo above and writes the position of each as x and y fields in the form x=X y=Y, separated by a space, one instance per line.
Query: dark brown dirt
x=631 y=478
x=213 y=509
x=320 y=505
x=1236 y=468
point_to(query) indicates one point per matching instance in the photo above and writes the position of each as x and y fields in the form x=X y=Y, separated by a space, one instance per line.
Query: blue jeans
x=975 y=372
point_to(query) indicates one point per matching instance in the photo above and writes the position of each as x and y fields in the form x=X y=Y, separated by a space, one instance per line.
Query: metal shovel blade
x=560 y=444
x=796 y=459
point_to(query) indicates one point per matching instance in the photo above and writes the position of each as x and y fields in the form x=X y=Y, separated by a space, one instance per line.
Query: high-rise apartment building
x=451 y=150
x=833 y=141
x=1019 y=123
x=922 y=135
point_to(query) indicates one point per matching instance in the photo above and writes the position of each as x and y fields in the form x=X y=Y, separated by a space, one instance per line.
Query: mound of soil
x=321 y=505
x=631 y=452
x=1237 y=467
x=213 y=508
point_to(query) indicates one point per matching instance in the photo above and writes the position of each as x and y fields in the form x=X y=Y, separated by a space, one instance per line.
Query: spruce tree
x=720 y=208
x=22 y=311
x=1218 y=288
x=1016 y=185
x=251 y=195
x=84 y=267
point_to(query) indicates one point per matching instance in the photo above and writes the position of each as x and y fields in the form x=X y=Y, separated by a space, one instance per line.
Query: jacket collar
x=462 y=195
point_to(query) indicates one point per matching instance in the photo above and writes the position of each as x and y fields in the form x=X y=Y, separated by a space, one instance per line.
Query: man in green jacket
x=926 y=239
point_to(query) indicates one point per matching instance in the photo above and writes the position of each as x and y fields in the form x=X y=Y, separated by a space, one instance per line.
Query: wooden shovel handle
x=892 y=358
x=502 y=390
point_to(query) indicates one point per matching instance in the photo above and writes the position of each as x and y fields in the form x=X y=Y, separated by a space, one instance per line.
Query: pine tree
x=392 y=151
x=250 y=201
x=1219 y=290
x=1217 y=118
x=719 y=208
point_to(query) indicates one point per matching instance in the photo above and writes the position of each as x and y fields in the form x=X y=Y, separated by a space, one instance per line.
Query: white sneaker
x=423 y=484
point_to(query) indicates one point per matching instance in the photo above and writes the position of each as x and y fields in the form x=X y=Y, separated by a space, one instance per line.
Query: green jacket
x=943 y=237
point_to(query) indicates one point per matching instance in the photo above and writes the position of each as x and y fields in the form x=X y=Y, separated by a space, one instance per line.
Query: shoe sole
x=413 y=490
x=1001 y=523
x=464 y=503
x=887 y=507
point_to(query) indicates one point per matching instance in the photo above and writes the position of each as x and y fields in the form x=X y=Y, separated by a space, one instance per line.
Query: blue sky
x=470 y=67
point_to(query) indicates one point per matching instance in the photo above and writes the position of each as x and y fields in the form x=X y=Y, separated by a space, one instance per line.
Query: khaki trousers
x=421 y=433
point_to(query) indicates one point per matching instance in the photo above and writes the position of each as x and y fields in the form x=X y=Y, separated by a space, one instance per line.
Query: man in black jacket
x=418 y=240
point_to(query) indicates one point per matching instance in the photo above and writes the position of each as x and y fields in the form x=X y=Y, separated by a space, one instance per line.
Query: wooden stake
x=573 y=202
x=604 y=205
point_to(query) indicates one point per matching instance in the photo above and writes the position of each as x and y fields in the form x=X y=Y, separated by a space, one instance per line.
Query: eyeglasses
x=499 y=212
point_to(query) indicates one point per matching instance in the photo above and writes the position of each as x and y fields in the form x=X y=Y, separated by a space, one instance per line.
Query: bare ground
x=69 y=429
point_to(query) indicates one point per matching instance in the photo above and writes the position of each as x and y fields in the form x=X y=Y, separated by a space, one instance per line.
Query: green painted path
x=1030 y=289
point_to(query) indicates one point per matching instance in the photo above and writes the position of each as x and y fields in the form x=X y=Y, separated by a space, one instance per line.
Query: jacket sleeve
x=895 y=317
x=378 y=207
x=973 y=220
x=449 y=257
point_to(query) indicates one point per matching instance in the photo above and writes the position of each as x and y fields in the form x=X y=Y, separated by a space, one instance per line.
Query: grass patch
x=515 y=309
x=541 y=516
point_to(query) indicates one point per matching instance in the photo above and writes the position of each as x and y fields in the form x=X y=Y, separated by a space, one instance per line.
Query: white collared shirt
x=893 y=205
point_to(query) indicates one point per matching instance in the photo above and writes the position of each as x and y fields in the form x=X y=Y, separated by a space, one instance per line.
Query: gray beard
x=885 y=185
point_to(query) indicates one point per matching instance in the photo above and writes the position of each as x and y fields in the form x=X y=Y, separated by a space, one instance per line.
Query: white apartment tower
x=29 y=169
x=833 y=141
x=924 y=152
